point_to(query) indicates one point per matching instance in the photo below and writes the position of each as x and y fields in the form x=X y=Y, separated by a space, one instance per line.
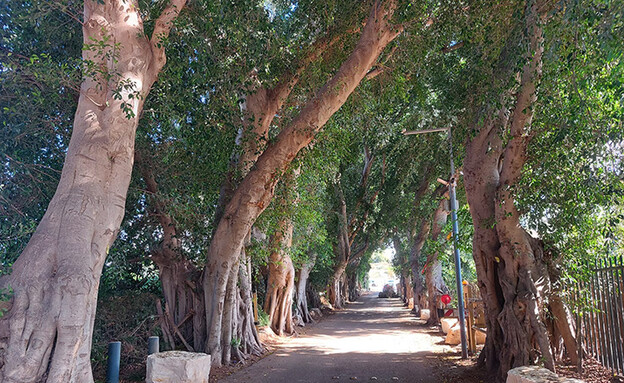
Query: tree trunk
x=281 y=281
x=301 y=278
x=418 y=236
x=561 y=315
x=353 y=285
x=336 y=296
x=46 y=335
x=433 y=274
x=179 y=277
x=418 y=242
x=509 y=261
x=245 y=332
x=257 y=188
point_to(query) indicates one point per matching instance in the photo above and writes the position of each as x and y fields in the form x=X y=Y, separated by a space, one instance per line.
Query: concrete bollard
x=153 y=345
x=112 y=369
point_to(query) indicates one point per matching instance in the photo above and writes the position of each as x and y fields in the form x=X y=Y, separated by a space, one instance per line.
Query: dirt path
x=372 y=340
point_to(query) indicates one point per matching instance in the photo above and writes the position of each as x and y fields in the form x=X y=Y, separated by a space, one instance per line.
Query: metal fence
x=601 y=326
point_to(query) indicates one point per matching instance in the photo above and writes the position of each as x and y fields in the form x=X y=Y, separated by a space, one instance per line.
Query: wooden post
x=255 y=308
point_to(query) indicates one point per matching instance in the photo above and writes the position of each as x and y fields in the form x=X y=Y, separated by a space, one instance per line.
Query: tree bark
x=47 y=332
x=509 y=261
x=281 y=281
x=301 y=299
x=257 y=188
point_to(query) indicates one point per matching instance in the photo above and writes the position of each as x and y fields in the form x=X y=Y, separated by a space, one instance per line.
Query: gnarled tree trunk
x=46 y=335
x=257 y=188
x=183 y=317
x=510 y=267
x=281 y=281
x=301 y=280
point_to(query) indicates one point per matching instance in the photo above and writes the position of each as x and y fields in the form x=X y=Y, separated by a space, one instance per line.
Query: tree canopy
x=263 y=116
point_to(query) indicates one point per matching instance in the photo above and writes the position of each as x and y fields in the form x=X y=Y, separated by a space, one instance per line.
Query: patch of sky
x=283 y=10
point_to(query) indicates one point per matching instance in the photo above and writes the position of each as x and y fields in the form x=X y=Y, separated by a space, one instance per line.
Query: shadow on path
x=372 y=340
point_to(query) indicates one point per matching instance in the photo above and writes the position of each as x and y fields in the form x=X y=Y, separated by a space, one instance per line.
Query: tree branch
x=161 y=32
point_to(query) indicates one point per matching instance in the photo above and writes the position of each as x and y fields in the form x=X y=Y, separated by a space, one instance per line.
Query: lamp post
x=458 y=277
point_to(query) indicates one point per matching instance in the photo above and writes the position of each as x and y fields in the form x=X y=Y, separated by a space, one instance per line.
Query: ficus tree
x=47 y=330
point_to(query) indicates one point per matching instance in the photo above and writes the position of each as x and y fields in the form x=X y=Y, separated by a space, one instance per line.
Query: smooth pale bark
x=259 y=110
x=46 y=335
x=257 y=188
x=353 y=284
x=281 y=280
x=301 y=296
x=510 y=267
x=433 y=274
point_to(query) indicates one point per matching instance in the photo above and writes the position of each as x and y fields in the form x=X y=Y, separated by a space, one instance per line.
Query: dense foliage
x=441 y=72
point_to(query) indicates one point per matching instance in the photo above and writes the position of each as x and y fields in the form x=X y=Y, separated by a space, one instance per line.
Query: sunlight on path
x=373 y=339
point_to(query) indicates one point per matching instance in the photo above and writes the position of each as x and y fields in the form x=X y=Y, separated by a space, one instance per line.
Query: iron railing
x=600 y=325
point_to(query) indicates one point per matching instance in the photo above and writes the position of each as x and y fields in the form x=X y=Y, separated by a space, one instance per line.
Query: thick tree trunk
x=257 y=188
x=509 y=262
x=184 y=306
x=433 y=274
x=335 y=294
x=281 y=281
x=301 y=278
x=46 y=335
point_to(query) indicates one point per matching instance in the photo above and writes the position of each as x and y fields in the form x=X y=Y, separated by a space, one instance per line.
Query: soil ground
x=373 y=339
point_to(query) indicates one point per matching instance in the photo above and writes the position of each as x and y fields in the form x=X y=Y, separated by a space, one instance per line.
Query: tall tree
x=55 y=280
x=509 y=260
x=256 y=190
x=281 y=279
x=433 y=268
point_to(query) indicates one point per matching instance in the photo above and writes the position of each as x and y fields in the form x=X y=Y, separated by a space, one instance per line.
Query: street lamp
x=451 y=185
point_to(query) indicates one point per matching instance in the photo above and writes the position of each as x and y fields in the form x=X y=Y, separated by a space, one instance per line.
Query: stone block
x=536 y=374
x=454 y=335
x=447 y=323
x=178 y=367
x=410 y=303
